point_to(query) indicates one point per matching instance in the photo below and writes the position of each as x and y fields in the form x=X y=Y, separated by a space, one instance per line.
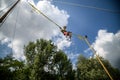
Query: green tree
x=11 y=69
x=63 y=66
x=46 y=62
x=5 y=73
x=92 y=70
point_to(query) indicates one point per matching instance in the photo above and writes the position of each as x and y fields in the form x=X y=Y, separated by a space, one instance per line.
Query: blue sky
x=101 y=27
x=88 y=21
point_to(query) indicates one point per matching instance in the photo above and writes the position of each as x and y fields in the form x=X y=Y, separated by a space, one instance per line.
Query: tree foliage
x=45 y=62
x=92 y=70
x=11 y=69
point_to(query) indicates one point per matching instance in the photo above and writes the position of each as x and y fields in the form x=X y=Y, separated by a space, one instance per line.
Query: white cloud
x=29 y=26
x=62 y=42
x=5 y=4
x=3 y=38
x=73 y=57
x=108 y=46
x=53 y=12
x=4 y=45
x=88 y=53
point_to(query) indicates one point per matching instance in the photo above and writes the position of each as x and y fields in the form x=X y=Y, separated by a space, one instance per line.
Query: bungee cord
x=38 y=11
x=85 y=6
x=79 y=36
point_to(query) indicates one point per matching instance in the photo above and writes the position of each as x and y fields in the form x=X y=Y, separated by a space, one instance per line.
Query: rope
x=4 y=20
x=43 y=14
x=79 y=36
x=92 y=7
x=15 y=28
x=7 y=6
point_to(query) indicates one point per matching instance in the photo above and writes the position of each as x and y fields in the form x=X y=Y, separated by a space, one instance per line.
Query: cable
x=84 y=6
x=6 y=7
x=6 y=16
x=79 y=36
x=4 y=20
x=15 y=29
x=43 y=14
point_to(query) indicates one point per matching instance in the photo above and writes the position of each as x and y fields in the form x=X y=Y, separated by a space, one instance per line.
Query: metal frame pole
x=4 y=16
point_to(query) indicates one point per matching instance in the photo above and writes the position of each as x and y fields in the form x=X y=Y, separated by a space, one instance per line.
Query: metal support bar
x=4 y=16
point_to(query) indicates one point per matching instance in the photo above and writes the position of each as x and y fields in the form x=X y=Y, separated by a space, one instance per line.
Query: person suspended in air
x=66 y=33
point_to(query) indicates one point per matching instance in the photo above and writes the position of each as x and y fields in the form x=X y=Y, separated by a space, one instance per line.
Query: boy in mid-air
x=68 y=34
